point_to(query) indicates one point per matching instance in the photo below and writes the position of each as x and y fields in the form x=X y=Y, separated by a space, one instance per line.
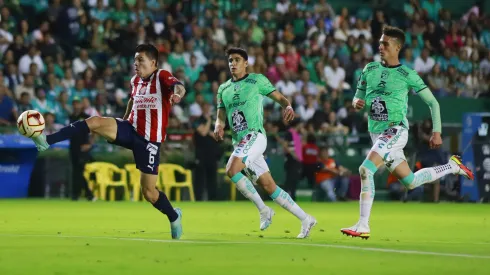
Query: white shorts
x=251 y=149
x=389 y=145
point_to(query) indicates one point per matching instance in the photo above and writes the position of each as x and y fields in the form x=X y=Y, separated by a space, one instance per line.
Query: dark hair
x=396 y=33
x=239 y=51
x=150 y=51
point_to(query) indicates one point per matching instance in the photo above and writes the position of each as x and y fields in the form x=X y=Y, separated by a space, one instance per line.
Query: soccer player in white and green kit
x=383 y=87
x=240 y=100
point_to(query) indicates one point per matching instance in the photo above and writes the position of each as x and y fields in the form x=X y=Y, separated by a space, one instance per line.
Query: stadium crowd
x=55 y=52
x=58 y=52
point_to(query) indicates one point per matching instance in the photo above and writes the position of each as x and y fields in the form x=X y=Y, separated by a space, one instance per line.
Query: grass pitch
x=64 y=237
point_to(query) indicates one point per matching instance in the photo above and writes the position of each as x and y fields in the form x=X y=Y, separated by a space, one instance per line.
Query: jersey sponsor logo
x=370 y=68
x=236 y=104
x=402 y=72
x=394 y=141
x=145 y=102
x=379 y=111
x=251 y=81
x=382 y=92
x=236 y=97
x=239 y=121
x=385 y=139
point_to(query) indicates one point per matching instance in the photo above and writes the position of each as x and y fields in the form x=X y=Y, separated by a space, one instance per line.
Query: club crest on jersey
x=236 y=87
x=385 y=74
x=142 y=91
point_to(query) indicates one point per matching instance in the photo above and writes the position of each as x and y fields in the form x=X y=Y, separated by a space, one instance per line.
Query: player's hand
x=358 y=103
x=219 y=132
x=288 y=114
x=175 y=99
x=435 y=140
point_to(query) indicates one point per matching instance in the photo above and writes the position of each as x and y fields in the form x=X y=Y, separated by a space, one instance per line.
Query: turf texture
x=64 y=237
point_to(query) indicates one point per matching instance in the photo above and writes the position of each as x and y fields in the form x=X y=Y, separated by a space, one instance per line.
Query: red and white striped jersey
x=151 y=104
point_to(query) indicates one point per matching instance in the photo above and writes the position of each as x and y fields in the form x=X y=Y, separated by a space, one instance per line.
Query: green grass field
x=63 y=237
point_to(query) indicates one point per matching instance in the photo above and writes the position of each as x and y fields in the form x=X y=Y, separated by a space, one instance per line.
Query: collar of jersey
x=148 y=78
x=240 y=79
x=394 y=66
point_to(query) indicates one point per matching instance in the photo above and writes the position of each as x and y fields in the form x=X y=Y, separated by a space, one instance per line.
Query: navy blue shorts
x=146 y=154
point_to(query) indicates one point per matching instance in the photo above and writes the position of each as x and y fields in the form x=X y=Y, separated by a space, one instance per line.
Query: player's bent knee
x=234 y=167
x=94 y=123
x=408 y=180
x=367 y=167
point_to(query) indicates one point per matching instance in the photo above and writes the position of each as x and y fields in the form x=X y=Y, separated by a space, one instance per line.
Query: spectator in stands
x=24 y=103
x=292 y=146
x=429 y=157
x=310 y=159
x=82 y=62
x=27 y=86
x=424 y=63
x=32 y=56
x=331 y=180
x=438 y=82
x=80 y=147
x=207 y=154
x=8 y=113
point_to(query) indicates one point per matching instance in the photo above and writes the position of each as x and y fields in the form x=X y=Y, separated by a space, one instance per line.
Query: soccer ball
x=30 y=123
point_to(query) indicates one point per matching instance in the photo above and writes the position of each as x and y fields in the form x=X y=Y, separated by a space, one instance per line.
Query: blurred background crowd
x=57 y=53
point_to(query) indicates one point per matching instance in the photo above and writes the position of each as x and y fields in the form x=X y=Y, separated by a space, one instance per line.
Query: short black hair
x=396 y=33
x=150 y=51
x=239 y=51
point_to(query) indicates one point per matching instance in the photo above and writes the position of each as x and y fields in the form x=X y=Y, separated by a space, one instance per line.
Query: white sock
x=366 y=198
x=427 y=175
x=245 y=186
x=285 y=201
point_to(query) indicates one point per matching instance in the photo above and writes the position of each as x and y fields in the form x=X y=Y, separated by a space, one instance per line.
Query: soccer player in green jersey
x=240 y=101
x=383 y=88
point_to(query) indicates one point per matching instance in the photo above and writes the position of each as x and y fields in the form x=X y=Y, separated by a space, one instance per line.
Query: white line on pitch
x=384 y=250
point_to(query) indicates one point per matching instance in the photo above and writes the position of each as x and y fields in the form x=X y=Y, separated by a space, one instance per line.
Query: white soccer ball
x=30 y=123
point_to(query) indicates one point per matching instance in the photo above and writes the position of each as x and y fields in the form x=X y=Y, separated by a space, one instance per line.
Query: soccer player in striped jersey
x=383 y=88
x=142 y=129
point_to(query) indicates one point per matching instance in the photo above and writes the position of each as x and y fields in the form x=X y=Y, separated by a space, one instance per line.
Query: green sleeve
x=219 y=99
x=265 y=86
x=361 y=86
x=430 y=100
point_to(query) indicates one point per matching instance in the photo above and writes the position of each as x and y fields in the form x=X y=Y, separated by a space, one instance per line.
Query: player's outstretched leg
x=285 y=201
x=160 y=201
x=427 y=175
x=104 y=126
x=234 y=170
x=367 y=170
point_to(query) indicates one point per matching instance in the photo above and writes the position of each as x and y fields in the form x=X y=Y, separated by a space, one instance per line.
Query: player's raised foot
x=41 y=142
x=463 y=170
x=357 y=230
x=266 y=217
x=306 y=226
x=176 y=226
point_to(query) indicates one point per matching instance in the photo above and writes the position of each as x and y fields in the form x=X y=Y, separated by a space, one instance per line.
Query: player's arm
x=219 y=125
x=285 y=104
x=435 y=112
x=424 y=92
x=358 y=101
x=179 y=92
x=128 y=108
